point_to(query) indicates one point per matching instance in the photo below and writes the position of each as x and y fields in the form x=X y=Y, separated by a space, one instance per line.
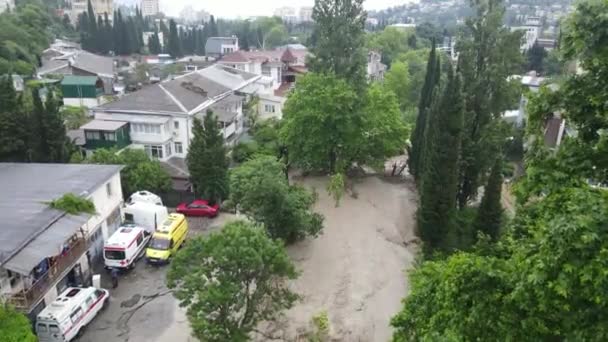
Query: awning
x=45 y=245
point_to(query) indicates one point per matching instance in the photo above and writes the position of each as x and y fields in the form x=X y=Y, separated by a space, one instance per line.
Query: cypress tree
x=107 y=33
x=38 y=146
x=174 y=48
x=13 y=124
x=489 y=214
x=213 y=31
x=56 y=138
x=100 y=40
x=207 y=160
x=439 y=179
x=92 y=31
x=417 y=139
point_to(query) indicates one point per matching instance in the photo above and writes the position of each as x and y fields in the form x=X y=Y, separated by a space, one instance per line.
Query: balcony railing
x=25 y=299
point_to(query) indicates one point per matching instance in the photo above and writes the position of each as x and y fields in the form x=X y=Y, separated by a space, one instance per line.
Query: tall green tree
x=488 y=55
x=207 y=160
x=55 y=133
x=535 y=58
x=92 y=29
x=213 y=30
x=14 y=326
x=397 y=79
x=339 y=28
x=174 y=48
x=231 y=281
x=14 y=124
x=260 y=190
x=431 y=81
x=490 y=212
x=439 y=179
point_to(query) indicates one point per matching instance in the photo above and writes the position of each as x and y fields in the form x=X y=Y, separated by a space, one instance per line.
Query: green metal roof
x=79 y=80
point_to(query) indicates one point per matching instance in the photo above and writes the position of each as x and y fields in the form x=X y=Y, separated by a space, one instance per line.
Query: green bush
x=244 y=151
x=73 y=204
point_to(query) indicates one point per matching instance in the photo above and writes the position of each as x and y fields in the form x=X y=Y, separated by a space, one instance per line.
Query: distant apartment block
x=100 y=7
x=149 y=7
x=306 y=14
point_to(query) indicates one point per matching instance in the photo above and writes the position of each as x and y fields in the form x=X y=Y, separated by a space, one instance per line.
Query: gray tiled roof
x=26 y=189
x=94 y=63
x=184 y=93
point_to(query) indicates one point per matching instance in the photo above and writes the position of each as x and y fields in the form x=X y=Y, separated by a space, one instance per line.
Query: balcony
x=63 y=263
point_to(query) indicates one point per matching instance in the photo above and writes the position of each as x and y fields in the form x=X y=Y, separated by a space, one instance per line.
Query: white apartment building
x=286 y=13
x=149 y=7
x=45 y=250
x=100 y=7
x=217 y=47
x=530 y=35
x=306 y=14
x=161 y=116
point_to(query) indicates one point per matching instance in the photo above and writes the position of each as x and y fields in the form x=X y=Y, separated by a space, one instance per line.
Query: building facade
x=100 y=7
x=217 y=47
x=47 y=250
x=160 y=116
x=149 y=8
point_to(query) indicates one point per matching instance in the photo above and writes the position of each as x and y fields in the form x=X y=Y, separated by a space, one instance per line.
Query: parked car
x=198 y=207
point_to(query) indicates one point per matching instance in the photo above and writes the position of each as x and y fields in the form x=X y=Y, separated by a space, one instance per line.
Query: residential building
x=61 y=61
x=45 y=250
x=530 y=34
x=219 y=46
x=160 y=116
x=100 y=7
x=7 y=5
x=375 y=68
x=287 y=14
x=106 y=134
x=546 y=43
x=82 y=91
x=306 y=14
x=149 y=8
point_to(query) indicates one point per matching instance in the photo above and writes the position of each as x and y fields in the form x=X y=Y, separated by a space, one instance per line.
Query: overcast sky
x=246 y=8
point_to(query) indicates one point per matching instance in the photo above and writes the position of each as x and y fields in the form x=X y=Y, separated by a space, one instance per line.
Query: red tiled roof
x=288 y=57
x=236 y=57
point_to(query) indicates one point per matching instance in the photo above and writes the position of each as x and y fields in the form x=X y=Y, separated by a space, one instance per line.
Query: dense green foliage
x=535 y=58
x=490 y=213
x=139 y=172
x=14 y=326
x=488 y=54
x=260 y=190
x=175 y=45
x=390 y=42
x=339 y=39
x=439 y=178
x=30 y=130
x=543 y=280
x=325 y=107
x=207 y=160
x=73 y=204
x=397 y=79
x=232 y=280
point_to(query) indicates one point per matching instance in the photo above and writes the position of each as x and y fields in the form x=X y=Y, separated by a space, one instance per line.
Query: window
x=179 y=149
x=99 y=293
x=89 y=301
x=75 y=315
x=92 y=135
x=266 y=71
x=53 y=329
x=154 y=151
x=109 y=189
x=41 y=328
x=140 y=239
x=114 y=255
x=110 y=136
x=168 y=149
x=269 y=108
x=176 y=124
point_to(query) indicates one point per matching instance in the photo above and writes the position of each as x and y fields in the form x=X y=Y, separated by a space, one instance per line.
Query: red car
x=198 y=208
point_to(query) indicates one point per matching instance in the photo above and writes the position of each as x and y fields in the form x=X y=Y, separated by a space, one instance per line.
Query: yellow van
x=167 y=239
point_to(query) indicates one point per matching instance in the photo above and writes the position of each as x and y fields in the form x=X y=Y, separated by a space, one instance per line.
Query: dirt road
x=355 y=270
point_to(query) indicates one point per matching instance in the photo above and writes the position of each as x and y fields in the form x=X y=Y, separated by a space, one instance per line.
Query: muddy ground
x=355 y=271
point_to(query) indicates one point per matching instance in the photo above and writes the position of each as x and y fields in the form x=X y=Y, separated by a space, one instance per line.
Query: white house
x=160 y=116
x=44 y=250
x=530 y=35
x=220 y=46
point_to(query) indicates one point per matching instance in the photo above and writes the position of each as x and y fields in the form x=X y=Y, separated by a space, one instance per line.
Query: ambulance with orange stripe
x=67 y=316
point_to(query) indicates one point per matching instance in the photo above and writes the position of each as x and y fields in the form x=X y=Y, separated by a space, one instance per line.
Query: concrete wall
x=83 y=102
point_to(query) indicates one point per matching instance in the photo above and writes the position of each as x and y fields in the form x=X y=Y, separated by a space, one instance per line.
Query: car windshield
x=159 y=244
x=114 y=255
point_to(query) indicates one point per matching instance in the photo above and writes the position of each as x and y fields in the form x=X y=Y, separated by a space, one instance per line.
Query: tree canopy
x=14 y=326
x=231 y=280
x=260 y=190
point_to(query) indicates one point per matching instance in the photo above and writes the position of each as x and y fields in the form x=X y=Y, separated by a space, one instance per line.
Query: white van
x=145 y=197
x=65 y=318
x=145 y=215
x=125 y=246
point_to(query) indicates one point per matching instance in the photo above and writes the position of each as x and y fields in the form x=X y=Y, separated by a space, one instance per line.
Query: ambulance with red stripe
x=125 y=247
x=66 y=317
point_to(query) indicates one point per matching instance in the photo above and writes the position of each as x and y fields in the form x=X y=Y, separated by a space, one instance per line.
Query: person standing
x=114 y=273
